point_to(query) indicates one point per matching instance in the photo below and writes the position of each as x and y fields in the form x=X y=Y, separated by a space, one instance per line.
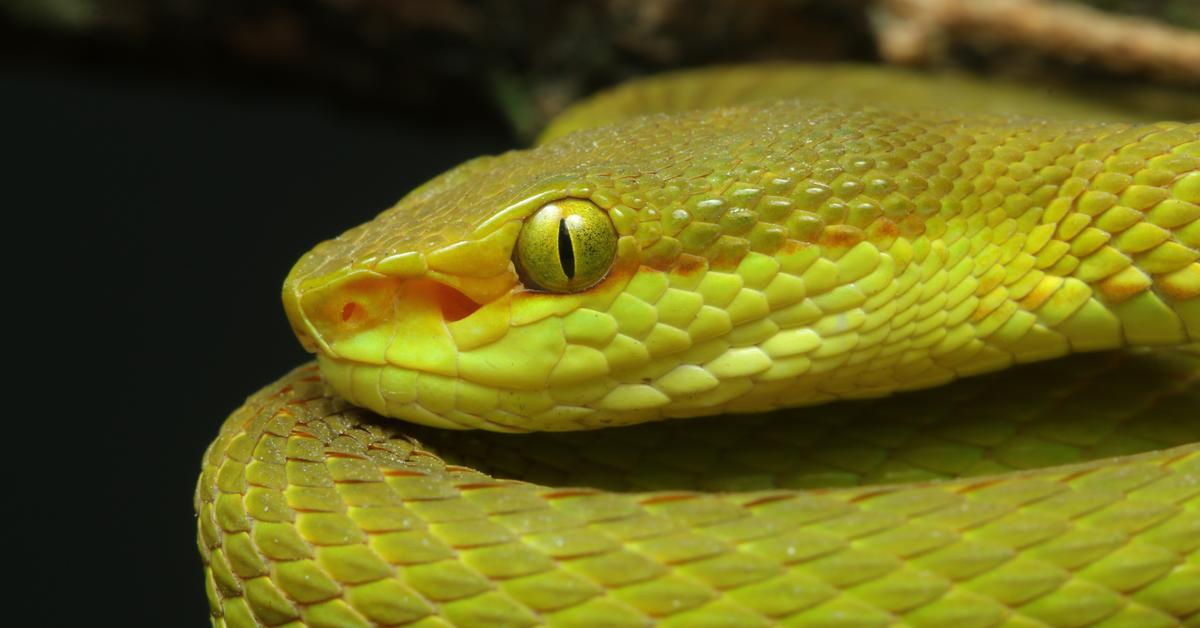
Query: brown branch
x=913 y=31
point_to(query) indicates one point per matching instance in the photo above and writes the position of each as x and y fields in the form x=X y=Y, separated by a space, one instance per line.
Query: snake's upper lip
x=327 y=315
x=460 y=278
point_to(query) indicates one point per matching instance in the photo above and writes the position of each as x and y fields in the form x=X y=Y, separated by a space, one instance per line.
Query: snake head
x=436 y=311
x=600 y=279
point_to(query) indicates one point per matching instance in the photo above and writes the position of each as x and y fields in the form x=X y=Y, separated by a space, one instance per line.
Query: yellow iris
x=566 y=246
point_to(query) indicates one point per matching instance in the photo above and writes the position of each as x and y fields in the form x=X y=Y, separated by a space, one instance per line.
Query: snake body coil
x=755 y=257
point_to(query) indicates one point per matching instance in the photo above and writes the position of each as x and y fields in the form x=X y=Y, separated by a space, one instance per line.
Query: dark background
x=175 y=207
x=161 y=170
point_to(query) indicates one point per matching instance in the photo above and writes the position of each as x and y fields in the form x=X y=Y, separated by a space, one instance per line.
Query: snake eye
x=566 y=246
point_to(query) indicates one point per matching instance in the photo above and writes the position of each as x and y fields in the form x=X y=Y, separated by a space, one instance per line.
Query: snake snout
x=362 y=317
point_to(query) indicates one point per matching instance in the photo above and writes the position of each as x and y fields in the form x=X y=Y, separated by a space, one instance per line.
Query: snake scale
x=766 y=241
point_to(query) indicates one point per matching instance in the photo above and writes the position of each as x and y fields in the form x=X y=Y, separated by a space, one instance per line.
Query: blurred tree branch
x=916 y=32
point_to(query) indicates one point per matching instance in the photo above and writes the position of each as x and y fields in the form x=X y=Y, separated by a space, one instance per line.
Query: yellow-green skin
x=774 y=254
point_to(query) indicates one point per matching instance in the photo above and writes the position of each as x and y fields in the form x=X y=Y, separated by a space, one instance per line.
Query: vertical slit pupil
x=566 y=254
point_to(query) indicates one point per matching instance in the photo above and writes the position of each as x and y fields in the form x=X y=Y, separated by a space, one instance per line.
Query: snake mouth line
x=326 y=319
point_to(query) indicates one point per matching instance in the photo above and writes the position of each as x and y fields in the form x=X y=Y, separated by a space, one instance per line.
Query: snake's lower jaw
x=388 y=390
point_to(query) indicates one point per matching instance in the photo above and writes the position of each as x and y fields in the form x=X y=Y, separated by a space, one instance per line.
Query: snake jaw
x=365 y=317
x=386 y=342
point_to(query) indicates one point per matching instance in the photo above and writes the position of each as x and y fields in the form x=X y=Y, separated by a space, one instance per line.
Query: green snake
x=763 y=241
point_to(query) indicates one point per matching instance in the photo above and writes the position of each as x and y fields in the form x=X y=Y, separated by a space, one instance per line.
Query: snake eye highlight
x=567 y=246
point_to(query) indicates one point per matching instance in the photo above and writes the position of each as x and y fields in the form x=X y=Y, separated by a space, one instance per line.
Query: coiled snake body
x=782 y=249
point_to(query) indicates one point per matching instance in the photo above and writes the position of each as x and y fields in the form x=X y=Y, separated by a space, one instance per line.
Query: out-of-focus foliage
x=64 y=14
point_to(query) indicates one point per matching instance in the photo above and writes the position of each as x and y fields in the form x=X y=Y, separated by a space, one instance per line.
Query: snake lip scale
x=950 y=329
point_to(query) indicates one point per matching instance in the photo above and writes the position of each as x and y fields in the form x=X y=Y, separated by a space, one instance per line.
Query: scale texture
x=771 y=254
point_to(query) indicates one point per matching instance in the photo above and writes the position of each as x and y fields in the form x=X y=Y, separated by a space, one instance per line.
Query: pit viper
x=867 y=273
